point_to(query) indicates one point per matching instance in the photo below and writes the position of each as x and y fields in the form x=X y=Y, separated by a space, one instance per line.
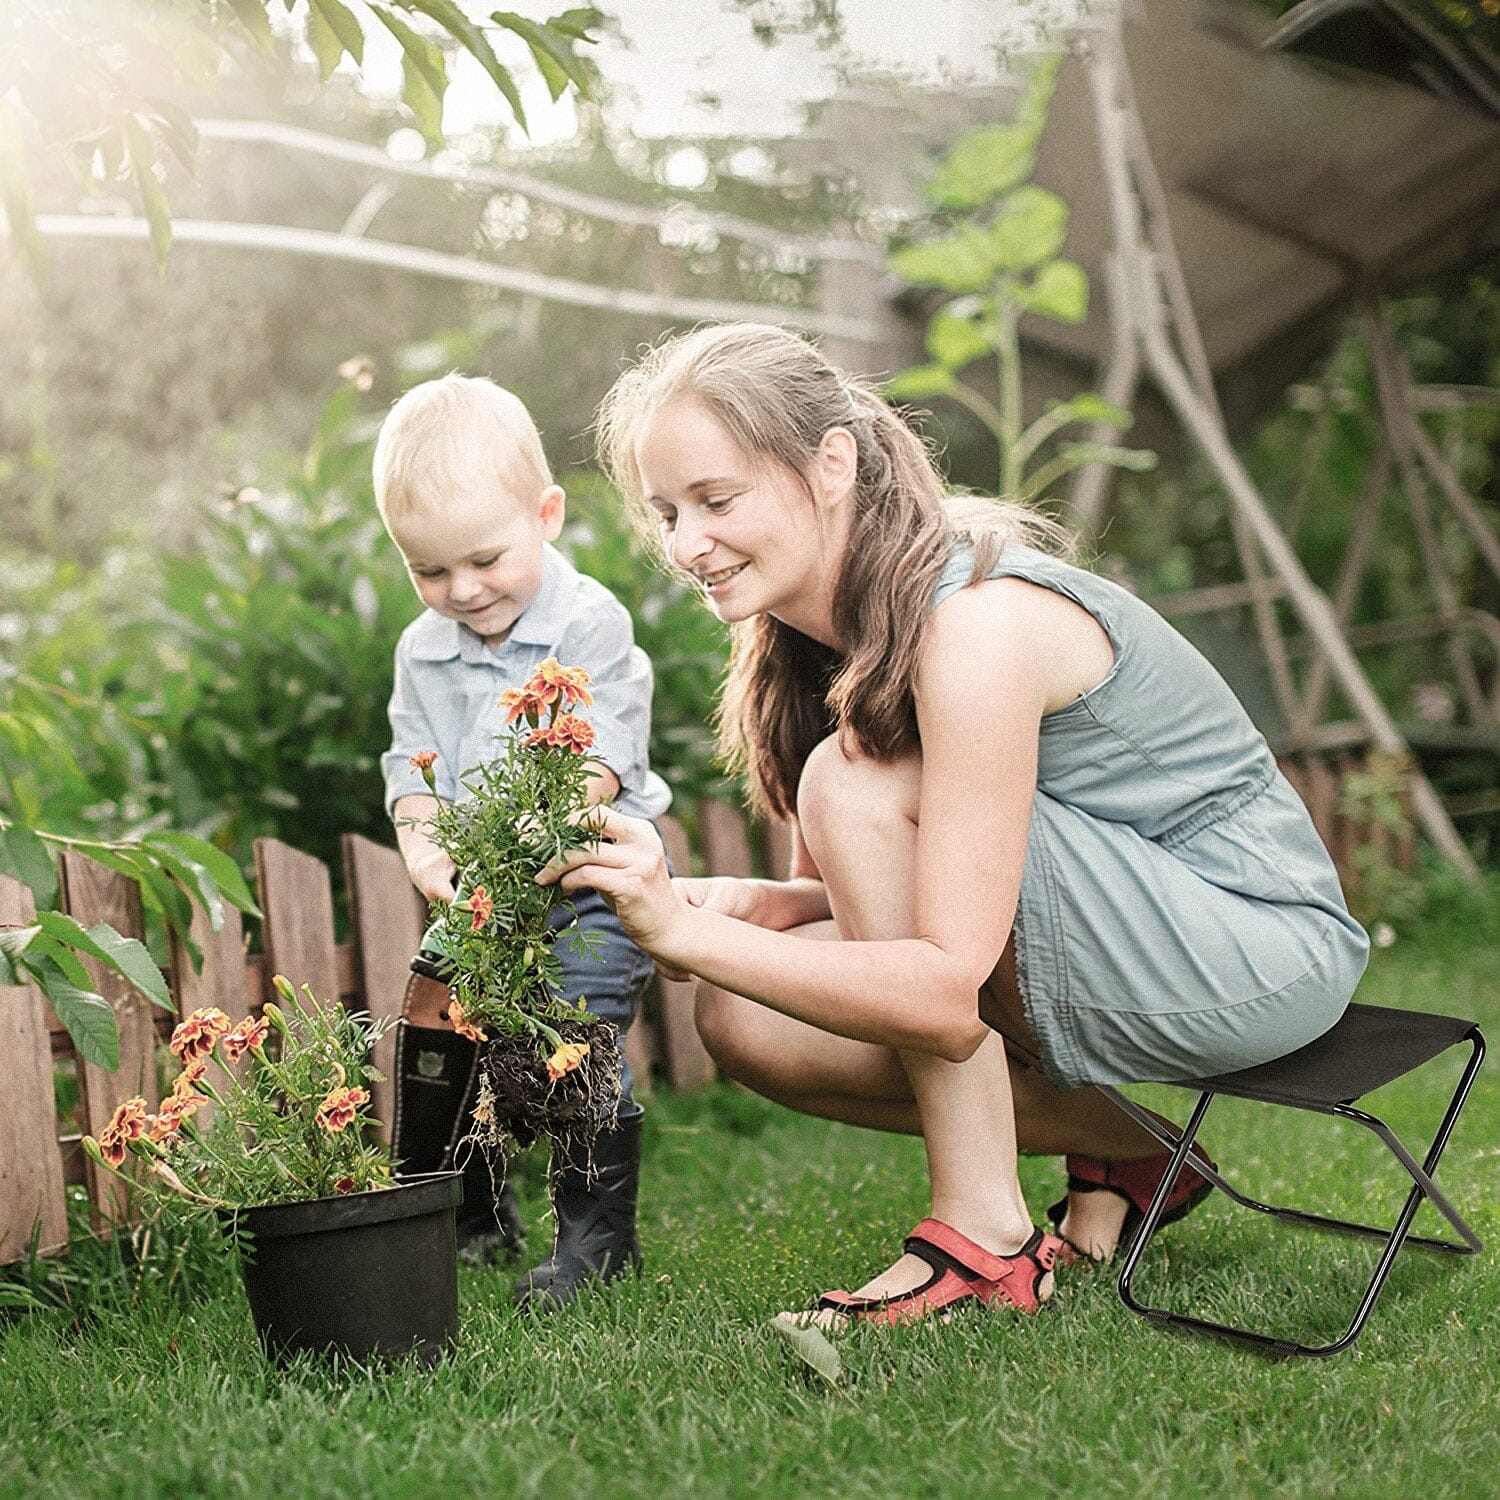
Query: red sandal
x=1136 y=1182
x=961 y=1270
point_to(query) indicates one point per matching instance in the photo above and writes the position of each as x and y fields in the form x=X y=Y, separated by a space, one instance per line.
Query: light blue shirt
x=448 y=686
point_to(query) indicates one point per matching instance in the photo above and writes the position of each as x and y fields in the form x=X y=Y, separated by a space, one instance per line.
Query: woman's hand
x=628 y=867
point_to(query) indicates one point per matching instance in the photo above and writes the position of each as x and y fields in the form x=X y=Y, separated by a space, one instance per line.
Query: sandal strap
x=960 y=1269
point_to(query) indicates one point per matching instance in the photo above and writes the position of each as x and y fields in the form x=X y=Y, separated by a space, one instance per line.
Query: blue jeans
x=609 y=982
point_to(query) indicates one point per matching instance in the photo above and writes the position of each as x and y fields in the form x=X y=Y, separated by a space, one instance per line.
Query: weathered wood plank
x=688 y=1062
x=93 y=894
x=31 y=1168
x=725 y=839
x=777 y=842
x=220 y=983
x=296 y=898
x=641 y=1052
x=387 y=917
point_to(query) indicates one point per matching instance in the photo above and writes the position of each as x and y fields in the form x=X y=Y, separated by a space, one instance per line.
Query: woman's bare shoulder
x=1000 y=624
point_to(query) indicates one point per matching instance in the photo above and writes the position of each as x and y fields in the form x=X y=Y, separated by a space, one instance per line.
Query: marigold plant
x=289 y=1110
x=550 y=1068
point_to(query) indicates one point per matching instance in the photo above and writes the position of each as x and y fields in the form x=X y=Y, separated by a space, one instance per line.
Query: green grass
x=672 y=1384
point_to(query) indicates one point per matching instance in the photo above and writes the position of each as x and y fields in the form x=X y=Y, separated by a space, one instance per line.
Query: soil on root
x=518 y=1103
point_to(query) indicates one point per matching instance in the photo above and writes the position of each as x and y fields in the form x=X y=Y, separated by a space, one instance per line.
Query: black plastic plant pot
x=370 y=1277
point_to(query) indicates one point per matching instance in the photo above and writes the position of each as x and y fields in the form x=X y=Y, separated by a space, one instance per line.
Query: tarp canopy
x=1291 y=186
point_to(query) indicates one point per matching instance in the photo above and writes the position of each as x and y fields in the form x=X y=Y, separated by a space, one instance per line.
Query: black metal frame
x=1422 y=1187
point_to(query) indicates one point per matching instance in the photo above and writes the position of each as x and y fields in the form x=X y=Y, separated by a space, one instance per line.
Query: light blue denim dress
x=1179 y=915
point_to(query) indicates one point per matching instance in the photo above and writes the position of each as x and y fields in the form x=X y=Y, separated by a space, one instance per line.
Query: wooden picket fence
x=297 y=937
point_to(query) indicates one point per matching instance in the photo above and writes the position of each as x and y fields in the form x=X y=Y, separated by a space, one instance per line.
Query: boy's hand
x=432 y=874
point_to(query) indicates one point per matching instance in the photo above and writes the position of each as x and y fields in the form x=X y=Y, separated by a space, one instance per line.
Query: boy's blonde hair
x=462 y=432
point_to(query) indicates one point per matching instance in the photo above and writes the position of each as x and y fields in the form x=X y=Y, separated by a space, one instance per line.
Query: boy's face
x=480 y=560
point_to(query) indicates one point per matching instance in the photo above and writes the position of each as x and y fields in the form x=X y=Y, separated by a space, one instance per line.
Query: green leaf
x=124 y=955
x=324 y=41
x=577 y=23
x=982 y=165
x=1059 y=290
x=15 y=192
x=142 y=156
x=474 y=41
x=226 y=874
x=553 y=53
x=955 y=342
x=960 y=262
x=920 y=383
x=812 y=1347
x=14 y=941
x=25 y=857
x=251 y=14
x=195 y=880
x=344 y=25
x=1028 y=229
x=87 y=1016
x=422 y=56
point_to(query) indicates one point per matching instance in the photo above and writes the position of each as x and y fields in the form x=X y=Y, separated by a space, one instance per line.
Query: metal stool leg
x=1423 y=1186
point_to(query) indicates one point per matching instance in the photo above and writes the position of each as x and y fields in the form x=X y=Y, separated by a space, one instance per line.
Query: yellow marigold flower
x=338 y=1110
x=565 y=1059
x=462 y=1024
x=198 y=1035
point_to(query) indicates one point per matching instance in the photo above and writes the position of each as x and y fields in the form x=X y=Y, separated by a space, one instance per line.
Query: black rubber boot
x=595 y=1221
x=489 y=1227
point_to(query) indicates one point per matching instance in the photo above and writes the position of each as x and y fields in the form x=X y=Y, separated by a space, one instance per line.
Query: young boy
x=466 y=495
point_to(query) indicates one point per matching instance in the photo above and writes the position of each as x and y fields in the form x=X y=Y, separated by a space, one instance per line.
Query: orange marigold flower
x=198 y=1035
x=565 y=1059
x=572 y=733
x=538 y=737
x=518 y=701
x=165 y=1125
x=552 y=680
x=337 y=1111
x=461 y=1023
x=111 y=1148
x=480 y=904
x=128 y=1122
x=423 y=761
x=248 y=1036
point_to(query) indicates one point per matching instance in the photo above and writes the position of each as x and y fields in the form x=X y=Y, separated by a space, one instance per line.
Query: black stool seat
x=1369 y=1046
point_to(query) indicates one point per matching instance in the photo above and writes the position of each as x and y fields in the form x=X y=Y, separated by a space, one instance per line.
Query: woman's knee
x=727 y=1028
x=842 y=788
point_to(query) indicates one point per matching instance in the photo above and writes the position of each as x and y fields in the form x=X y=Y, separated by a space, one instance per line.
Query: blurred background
x=1238 y=259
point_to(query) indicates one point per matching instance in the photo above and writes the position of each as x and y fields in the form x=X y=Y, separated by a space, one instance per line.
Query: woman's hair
x=777 y=396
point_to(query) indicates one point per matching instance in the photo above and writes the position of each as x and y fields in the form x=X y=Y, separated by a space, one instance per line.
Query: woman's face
x=748 y=532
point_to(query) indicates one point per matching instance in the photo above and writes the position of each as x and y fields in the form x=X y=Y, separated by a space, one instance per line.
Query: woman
x=1013 y=784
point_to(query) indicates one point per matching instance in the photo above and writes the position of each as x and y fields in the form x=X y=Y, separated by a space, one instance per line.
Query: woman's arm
x=980 y=695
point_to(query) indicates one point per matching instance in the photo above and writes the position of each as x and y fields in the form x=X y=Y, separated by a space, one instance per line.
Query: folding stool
x=1370 y=1046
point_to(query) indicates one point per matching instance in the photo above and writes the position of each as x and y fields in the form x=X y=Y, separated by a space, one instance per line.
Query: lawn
x=672 y=1384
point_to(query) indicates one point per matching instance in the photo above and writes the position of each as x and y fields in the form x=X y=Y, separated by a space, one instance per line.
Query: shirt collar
x=437 y=638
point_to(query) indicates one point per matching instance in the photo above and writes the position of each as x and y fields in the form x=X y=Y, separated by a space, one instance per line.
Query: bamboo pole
x=327 y=245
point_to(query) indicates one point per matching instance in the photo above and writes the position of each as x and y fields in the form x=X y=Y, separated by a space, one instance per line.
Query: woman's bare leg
x=858 y=818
